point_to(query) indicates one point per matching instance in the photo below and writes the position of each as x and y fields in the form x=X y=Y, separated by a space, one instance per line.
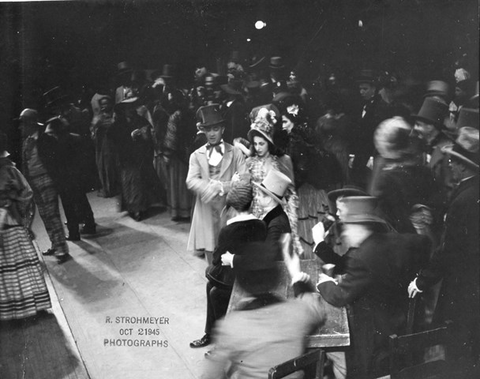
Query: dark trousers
x=217 y=304
x=77 y=209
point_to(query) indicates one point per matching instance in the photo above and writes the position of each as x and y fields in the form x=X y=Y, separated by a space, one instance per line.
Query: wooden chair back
x=407 y=354
x=311 y=363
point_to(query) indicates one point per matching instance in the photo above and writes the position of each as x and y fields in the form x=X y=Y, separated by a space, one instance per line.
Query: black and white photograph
x=239 y=189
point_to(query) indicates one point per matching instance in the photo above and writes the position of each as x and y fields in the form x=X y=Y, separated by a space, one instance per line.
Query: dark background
x=78 y=44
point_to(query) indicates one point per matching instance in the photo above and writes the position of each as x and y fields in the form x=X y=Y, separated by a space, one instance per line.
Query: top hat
x=437 y=88
x=263 y=124
x=240 y=195
x=167 y=71
x=361 y=210
x=54 y=96
x=468 y=117
x=235 y=57
x=367 y=76
x=392 y=138
x=208 y=116
x=276 y=63
x=274 y=184
x=466 y=147
x=123 y=67
x=433 y=111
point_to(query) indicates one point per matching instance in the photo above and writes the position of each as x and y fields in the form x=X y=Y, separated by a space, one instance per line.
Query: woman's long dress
x=23 y=291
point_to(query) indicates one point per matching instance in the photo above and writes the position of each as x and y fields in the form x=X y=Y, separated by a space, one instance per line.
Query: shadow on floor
x=36 y=348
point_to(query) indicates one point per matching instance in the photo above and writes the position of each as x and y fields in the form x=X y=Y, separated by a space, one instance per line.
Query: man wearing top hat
x=45 y=193
x=374 y=110
x=457 y=260
x=375 y=275
x=124 y=77
x=210 y=172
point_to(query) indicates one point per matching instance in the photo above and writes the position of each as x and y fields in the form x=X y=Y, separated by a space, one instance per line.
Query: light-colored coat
x=207 y=220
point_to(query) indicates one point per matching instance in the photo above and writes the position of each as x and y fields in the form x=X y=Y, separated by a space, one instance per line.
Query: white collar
x=241 y=217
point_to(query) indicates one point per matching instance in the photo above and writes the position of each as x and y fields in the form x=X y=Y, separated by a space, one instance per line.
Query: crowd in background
x=154 y=144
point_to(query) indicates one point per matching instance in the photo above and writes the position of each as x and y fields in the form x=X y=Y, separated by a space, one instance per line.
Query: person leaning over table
x=376 y=271
x=265 y=330
x=456 y=260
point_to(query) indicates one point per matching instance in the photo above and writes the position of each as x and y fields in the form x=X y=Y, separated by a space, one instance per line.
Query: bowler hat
x=361 y=210
x=276 y=63
x=274 y=184
x=54 y=96
x=123 y=67
x=208 y=116
x=367 y=76
x=433 y=111
x=466 y=147
x=468 y=117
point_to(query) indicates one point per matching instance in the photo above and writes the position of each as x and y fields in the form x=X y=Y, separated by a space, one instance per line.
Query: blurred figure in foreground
x=266 y=330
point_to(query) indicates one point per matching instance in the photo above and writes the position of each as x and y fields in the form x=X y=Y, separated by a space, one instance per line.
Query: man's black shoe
x=202 y=342
x=62 y=258
x=88 y=229
x=73 y=237
x=48 y=252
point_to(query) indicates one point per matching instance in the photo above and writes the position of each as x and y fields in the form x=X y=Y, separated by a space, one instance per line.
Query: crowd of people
x=259 y=166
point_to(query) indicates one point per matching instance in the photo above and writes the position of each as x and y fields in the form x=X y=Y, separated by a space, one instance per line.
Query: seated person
x=266 y=330
x=241 y=229
x=272 y=190
x=375 y=273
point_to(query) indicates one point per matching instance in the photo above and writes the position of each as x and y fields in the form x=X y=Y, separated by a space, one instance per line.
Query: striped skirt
x=23 y=291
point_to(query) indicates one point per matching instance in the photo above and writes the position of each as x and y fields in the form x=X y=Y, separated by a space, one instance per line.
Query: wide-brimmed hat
x=345 y=191
x=54 y=96
x=361 y=210
x=466 y=147
x=208 y=116
x=367 y=76
x=257 y=62
x=274 y=184
x=433 y=111
x=240 y=195
x=392 y=138
x=263 y=124
x=468 y=117
x=276 y=63
x=270 y=107
x=437 y=88
x=125 y=103
x=123 y=67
